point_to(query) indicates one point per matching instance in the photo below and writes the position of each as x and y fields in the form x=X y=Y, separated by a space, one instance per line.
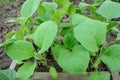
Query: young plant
x=74 y=44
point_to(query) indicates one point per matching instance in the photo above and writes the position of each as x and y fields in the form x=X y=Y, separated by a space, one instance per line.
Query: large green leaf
x=75 y=61
x=26 y=70
x=8 y=74
x=109 y=9
x=20 y=50
x=29 y=7
x=90 y=33
x=112 y=57
x=45 y=35
x=99 y=76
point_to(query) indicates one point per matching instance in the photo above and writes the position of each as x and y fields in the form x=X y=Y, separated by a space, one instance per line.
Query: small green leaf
x=9 y=35
x=3 y=76
x=8 y=74
x=44 y=16
x=99 y=76
x=49 y=6
x=28 y=10
x=69 y=40
x=57 y=17
x=41 y=9
x=71 y=10
x=26 y=70
x=90 y=33
x=112 y=24
x=112 y=57
x=62 y=2
x=45 y=35
x=118 y=36
x=78 y=56
x=56 y=50
x=20 y=50
x=65 y=25
x=8 y=42
x=18 y=20
x=82 y=5
x=97 y=2
x=20 y=33
x=109 y=10
x=53 y=73
x=66 y=30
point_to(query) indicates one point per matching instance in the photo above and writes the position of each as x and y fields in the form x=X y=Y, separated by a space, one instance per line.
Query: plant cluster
x=76 y=37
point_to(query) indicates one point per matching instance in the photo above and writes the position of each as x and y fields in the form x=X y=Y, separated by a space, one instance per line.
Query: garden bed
x=64 y=51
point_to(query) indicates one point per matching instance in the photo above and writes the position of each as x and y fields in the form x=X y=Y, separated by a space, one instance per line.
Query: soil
x=12 y=10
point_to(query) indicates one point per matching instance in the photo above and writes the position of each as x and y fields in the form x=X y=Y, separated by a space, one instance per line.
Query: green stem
x=98 y=60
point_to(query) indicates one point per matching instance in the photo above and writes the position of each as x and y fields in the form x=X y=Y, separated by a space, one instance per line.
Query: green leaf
x=62 y=2
x=18 y=20
x=56 y=50
x=109 y=10
x=20 y=33
x=69 y=40
x=82 y=5
x=7 y=74
x=57 y=17
x=66 y=30
x=44 y=16
x=92 y=9
x=99 y=76
x=90 y=33
x=26 y=70
x=112 y=24
x=49 y=6
x=53 y=73
x=8 y=42
x=29 y=7
x=9 y=35
x=71 y=10
x=112 y=57
x=118 y=36
x=78 y=56
x=41 y=9
x=45 y=35
x=97 y=2
x=77 y=19
x=65 y=25
x=20 y=50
